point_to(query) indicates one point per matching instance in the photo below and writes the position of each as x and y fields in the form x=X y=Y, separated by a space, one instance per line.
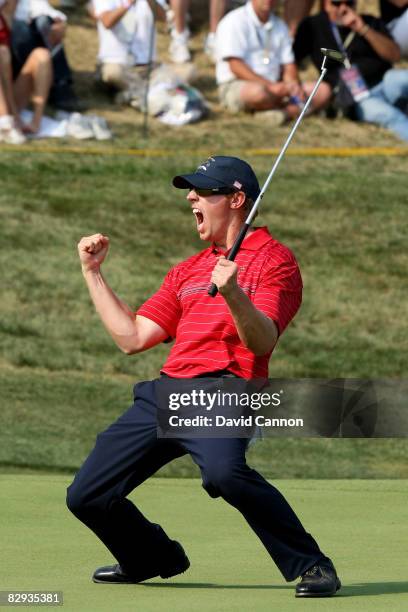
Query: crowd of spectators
x=257 y=56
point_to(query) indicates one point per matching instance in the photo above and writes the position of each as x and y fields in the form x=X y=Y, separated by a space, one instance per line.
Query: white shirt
x=264 y=47
x=128 y=42
x=26 y=10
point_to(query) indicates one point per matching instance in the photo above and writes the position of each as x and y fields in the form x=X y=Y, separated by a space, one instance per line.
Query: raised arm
x=112 y=17
x=399 y=3
x=8 y=9
x=131 y=333
x=383 y=45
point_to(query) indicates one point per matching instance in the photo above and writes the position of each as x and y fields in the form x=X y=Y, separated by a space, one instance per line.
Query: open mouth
x=199 y=217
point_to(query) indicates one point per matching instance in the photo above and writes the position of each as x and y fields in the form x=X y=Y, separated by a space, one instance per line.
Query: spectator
x=37 y=24
x=217 y=11
x=294 y=10
x=31 y=83
x=125 y=29
x=395 y=15
x=180 y=34
x=371 y=90
x=255 y=64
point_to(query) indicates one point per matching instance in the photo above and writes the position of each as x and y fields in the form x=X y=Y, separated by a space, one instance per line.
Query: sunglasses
x=206 y=193
x=340 y=2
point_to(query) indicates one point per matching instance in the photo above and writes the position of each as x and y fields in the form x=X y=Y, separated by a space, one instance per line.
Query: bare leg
x=180 y=8
x=33 y=83
x=322 y=96
x=217 y=11
x=3 y=103
x=179 y=51
x=7 y=104
x=9 y=120
x=256 y=97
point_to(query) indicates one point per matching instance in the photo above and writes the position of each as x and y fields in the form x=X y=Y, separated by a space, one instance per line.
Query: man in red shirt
x=231 y=335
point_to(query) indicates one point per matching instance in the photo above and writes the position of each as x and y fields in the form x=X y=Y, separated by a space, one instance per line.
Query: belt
x=216 y=374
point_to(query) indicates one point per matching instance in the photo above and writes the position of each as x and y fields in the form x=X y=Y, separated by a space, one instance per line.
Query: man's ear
x=238 y=199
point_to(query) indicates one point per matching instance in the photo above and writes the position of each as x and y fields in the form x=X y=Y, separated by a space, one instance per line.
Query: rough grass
x=238 y=132
x=62 y=379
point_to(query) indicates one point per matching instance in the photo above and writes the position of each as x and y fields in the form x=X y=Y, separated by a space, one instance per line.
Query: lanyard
x=343 y=46
x=266 y=43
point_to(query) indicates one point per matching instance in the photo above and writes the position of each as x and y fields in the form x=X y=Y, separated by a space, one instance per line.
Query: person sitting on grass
x=294 y=12
x=395 y=14
x=38 y=24
x=368 y=89
x=255 y=68
x=31 y=84
x=125 y=43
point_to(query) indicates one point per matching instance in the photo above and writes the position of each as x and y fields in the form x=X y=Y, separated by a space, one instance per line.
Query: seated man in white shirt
x=126 y=46
x=255 y=67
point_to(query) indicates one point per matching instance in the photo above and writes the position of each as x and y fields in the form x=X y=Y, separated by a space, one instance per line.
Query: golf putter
x=327 y=54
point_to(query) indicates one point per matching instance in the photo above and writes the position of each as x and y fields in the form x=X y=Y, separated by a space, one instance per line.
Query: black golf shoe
x=175 y=563
x=318 y=581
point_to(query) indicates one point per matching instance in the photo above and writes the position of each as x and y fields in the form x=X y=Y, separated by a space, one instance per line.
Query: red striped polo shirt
x=206 y=339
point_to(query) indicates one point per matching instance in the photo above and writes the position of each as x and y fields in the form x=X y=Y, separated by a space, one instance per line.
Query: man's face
x=335 y=9
x=264 y=6
x=213 y=214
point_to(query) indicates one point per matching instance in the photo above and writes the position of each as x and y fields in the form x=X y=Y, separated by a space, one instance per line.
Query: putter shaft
x=238 y=241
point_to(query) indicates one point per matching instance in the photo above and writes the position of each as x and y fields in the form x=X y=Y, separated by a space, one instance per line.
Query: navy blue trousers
x=128 y=452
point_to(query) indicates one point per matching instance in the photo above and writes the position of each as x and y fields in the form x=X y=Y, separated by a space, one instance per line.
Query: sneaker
x=272 y=118
x=78 y=126
x=9 y=133
x=100 y=128
x=179 y=51
x=209 y=46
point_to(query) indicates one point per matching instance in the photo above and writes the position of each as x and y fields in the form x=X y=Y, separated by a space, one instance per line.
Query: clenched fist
x=225 y=275
x=92 y=251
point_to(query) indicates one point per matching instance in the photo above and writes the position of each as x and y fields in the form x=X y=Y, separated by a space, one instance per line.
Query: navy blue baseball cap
x=220 y=172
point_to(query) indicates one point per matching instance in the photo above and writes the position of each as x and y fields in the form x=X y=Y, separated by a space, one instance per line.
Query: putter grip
x=213 y=290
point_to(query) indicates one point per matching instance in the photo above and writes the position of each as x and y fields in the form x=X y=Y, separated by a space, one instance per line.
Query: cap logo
x=237 y=184
x=207 y=163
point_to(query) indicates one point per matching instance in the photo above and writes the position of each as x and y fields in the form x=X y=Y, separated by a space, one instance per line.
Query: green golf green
x=360 y=523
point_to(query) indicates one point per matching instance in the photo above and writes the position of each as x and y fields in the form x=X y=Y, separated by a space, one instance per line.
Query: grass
x=62 y=379
x=221 y=129
x=360 y=524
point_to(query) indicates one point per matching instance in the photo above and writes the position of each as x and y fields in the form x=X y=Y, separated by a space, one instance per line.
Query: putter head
x=333 y=54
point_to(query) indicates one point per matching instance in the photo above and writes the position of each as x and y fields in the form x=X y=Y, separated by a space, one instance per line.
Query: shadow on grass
x=353 y=590
x=211 y=585
x=373 y=588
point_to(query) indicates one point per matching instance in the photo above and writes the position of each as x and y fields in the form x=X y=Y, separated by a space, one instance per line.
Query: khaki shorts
x=230 y=95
